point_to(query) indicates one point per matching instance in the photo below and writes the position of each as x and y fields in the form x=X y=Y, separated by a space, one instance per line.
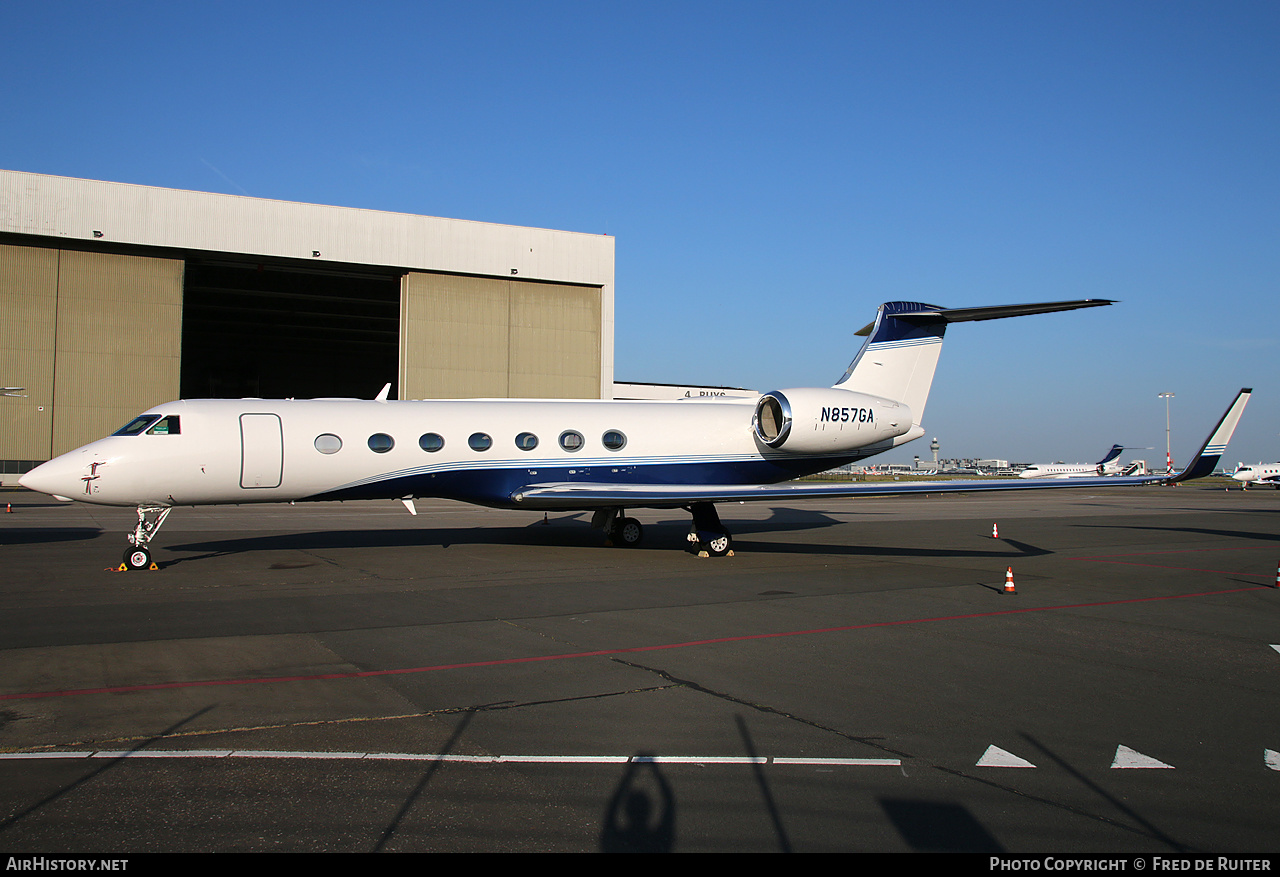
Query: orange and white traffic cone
x=995 y=532
x=1009 y=587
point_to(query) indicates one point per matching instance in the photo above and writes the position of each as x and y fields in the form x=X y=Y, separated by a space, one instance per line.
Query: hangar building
x=115 y=298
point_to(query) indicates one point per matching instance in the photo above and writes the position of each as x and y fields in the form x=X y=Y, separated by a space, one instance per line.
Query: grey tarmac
x=344 y=677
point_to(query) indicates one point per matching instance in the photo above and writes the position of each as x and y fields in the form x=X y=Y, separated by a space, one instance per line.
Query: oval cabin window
x=328 y=443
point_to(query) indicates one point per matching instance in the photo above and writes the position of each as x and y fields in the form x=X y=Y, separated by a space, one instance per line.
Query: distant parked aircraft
x=1260 y=473
x=1108 y=465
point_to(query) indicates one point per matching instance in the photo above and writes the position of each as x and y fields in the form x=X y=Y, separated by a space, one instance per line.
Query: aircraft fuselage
x=202 y=452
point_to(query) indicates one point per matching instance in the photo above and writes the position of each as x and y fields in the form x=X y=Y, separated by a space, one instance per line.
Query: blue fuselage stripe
x=494 y=485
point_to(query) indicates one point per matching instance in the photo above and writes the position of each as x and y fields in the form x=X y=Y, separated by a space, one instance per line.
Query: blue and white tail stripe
x=1112 y=454
x=897 y=360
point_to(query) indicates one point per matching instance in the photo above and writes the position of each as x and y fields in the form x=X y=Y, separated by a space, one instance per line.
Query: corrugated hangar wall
x=466 y=337
x=115 y=298
x=94 y=337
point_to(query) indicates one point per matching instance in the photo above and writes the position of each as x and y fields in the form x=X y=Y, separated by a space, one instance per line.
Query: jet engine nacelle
x=813 y=420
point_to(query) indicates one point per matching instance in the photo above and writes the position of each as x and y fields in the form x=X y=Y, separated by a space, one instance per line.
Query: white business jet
x=1260 y=473
x=1108 y=465
x=585 y=455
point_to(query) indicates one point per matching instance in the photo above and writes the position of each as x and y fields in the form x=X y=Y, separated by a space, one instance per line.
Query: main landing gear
x=150 y=518
x=618 y=529
x=706 y=535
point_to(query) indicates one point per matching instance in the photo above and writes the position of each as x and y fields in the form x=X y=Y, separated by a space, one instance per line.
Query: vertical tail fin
x=1112 y=454
x=898 y=359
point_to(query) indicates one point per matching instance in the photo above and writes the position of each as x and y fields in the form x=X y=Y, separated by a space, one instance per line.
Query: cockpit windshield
x=152 y=424
x=137 y=425
x=167 y=426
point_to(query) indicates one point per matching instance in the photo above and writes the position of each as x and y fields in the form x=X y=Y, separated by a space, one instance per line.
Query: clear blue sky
x=771 y=172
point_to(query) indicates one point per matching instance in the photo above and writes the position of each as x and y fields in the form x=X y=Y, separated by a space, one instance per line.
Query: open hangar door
x=276 y=331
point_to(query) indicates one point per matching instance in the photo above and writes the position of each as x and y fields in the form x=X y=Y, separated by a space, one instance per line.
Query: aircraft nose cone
x=53 y=478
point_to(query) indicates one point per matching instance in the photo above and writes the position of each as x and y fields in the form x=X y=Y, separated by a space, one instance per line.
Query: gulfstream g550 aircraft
x=587 y=455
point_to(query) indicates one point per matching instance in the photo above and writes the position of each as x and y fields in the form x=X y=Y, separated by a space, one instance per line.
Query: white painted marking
x=1276 y=647
x=265 y=753
x=694 y=759
x=166 y=753
x=565 y=759
x=847 y=762
x=21 y=755
x=997 y=757
x=1127 y=758
x=1271 y=758
x=459 y=759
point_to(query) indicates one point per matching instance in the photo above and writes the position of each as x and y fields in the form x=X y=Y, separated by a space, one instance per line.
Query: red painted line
x=1170 y=551
x=1108 y=559
x=367 y=674
x=1224 y=572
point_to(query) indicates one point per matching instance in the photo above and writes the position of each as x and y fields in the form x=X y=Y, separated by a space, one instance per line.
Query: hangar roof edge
x=139 y=215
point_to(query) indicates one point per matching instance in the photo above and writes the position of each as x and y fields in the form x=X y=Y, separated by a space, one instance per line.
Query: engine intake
x=812 y=420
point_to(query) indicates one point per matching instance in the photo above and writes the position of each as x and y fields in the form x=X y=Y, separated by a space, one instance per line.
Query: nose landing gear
x=150 y=519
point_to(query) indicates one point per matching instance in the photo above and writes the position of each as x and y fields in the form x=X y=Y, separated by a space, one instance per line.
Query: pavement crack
x=874 y=742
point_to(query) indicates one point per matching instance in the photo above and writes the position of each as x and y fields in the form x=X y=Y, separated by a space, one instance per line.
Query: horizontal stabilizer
x=998 y=312
x=991 y=312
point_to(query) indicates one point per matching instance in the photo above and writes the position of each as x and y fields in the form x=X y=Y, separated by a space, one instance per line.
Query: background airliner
x=586 y=455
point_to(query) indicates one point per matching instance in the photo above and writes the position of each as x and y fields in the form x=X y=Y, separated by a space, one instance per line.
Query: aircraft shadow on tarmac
x=662 y=536
x=1199 y=531
x=938 y=827
x=1111 y=803
x=36 y=535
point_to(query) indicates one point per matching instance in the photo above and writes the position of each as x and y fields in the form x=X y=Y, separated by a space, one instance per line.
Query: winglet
x=382 y=396
x=1204 y=462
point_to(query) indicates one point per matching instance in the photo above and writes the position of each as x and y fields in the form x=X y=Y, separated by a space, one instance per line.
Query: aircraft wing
x=580 y=495
x=588 y=495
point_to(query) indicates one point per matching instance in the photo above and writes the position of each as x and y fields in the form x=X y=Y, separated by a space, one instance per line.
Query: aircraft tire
x=630 y=533
x=137 y=558
x=720 y=546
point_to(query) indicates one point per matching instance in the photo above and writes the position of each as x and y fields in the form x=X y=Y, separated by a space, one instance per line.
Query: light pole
x=1168 y=453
